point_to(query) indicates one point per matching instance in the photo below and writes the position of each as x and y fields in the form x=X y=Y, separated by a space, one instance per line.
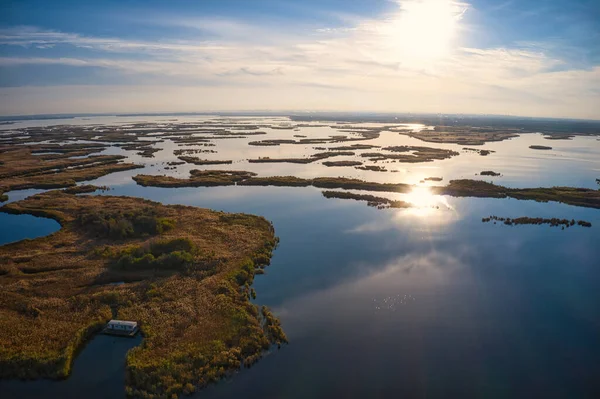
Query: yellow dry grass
x=198 y=324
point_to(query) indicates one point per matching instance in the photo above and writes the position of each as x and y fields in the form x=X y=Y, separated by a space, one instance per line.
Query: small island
x=540 y=147
x=553 y=222
x=373 y=201
x=198 y=161
x=372 y=168
x=481 y=152
x=559 y=136
x=490 y=173
x=307 y=160
x=341 y=163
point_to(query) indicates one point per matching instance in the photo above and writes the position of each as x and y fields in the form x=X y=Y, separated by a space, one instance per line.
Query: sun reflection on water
x=421 y=197
x=424 y=202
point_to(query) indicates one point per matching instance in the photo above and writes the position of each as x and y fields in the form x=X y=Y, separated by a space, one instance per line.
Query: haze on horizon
x=526 y=57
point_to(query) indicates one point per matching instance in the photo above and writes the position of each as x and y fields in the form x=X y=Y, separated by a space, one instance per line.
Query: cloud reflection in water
x=354 y=302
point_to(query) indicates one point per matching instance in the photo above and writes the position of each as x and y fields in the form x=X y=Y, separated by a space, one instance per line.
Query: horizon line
x=42 y=116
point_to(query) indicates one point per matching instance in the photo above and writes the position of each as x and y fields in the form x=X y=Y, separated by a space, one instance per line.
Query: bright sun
x=424 y=30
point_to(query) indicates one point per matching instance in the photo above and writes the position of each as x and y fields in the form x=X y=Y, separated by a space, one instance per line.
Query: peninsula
x=183 y=273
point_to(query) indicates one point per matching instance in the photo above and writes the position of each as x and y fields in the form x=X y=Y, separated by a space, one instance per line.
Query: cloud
x=410 y=60
x=27 y=36
x=253 y=72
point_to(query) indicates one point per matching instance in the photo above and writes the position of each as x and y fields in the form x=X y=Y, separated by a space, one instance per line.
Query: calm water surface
x=405 y=303
x=98 y=373
x=19 y=227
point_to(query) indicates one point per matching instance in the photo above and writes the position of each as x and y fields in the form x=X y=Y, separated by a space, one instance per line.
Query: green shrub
x=175 y=260
x=120 y=225
x=176 y=254
x=159 y=248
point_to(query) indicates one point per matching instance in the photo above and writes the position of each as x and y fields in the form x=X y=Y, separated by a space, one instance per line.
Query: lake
x=424 y=302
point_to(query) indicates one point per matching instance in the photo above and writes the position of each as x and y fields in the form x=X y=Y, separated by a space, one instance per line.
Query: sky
x=501 y=57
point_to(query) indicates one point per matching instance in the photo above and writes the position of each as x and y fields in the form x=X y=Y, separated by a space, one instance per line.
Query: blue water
x=466 y=309
x=19 y=227
x=98 y=373
x=383 y=303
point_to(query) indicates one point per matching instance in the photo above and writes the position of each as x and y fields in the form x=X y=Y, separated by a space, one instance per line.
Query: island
x=410 y=154
x=184 y=274
x=373 y=201
x=466 y=135
x=198 y=161
x=552 y=222
x=341 y=163
x=540 y=147
x=479 y=151
x=490 y=173
x=307 y=160
x=372 y=168
x=559 y=136
x=583 y=197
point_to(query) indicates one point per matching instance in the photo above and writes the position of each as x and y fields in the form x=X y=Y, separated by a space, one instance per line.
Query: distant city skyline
x=522 y=58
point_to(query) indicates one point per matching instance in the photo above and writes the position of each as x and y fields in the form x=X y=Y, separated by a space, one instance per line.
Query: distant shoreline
x=385 y=117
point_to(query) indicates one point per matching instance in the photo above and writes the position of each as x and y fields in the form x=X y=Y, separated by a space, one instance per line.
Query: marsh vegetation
x=20 y=169
x=490 y=173
x=312 y=158
x=341 y=163
x=374 y=201
x=466 y=135
x=198 y=161
x=540 y=147
x=552 y=222
x=559 y=136
x=457 y=188
x=198 y=178
x=372 y=168
x=186 y=276
x=187 y=272
x=410 y=154
x=479 y=151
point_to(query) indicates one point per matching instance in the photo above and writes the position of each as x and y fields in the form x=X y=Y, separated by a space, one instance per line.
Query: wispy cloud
x=501 y=5
x=408 y=60
x=28 y=36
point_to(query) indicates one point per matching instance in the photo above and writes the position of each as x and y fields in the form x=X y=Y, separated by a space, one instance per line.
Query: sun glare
x=424 y=30
x=424 y=202
x=421 y=197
